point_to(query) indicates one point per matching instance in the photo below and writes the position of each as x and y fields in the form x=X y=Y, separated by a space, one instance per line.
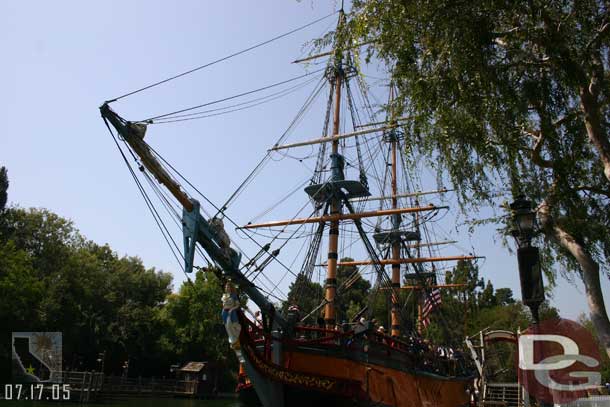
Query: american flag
x=432 y=301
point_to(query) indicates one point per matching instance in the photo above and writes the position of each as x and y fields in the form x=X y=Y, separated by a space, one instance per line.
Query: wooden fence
x=83 y=385
x=148 y=386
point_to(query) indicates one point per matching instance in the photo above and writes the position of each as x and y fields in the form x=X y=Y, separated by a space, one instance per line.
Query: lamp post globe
x=523 y=220
x=530 y=275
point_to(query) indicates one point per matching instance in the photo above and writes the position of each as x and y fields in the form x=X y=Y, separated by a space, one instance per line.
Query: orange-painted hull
x=310 y=375
x=383 y=385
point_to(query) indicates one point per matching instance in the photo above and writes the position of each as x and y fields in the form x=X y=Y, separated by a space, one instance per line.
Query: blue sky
x=63 y=59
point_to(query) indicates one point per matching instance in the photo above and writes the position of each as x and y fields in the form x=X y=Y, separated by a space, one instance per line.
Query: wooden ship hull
x=245 y=390
x=341 y=369
x=247 y=395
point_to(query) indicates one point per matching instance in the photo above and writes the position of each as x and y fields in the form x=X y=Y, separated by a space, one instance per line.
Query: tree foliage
x=305 y=294
x=19 y=287
x=193 y=328
x=54 y=279
x=478 y=306
x=605 y=360
x=509 y=96
x=351 y=297
x=3 y=187
x=353 y=291
x=57 y=280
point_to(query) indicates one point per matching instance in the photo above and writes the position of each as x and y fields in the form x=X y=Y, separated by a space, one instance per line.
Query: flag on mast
x=432 y=302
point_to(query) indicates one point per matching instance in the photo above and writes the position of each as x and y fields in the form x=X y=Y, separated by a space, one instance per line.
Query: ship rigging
x=363 y=191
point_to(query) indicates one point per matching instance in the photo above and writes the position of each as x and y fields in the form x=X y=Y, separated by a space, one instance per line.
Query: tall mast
x=335 y=203
x=335 y=209
x=395 y=329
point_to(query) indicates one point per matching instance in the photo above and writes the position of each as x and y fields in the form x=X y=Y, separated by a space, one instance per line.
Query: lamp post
x=173 y=369
x=101 y=359
x=528 y=256
x=126 y=368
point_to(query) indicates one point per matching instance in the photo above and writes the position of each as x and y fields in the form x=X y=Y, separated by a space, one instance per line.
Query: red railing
x=418 y=355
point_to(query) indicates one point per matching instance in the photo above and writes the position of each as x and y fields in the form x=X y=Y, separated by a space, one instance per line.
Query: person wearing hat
x=381 y=330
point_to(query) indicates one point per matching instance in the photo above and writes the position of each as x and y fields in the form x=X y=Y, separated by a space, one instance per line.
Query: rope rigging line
x=173 y=212
x=320 y=161
x=293 y=234
x=428 y=293
x=179 y=174
x=294 y=190
x=378 y=142
x=320 y=229
x=285 y=242
x=309 y=261
x=152 y=207
x=188 y=109
x=216 y=208
x=300 y=114
x=249 y=104
x=164 y=201
x=432 y=251
x=312 y=253
x=146 y=200
x=355 y=122
x=253 y=47
x=382 y=276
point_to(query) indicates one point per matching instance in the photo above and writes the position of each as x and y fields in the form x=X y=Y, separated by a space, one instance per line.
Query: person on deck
x=381 y=330
x=258 y=319
x=294 y=313
x=360 y=326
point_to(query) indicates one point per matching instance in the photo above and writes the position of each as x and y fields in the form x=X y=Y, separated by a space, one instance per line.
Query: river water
x=133 y=402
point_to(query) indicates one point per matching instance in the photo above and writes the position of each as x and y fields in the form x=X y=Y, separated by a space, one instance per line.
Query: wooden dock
x=89 y=386
x=84 y=386
x=120 y=386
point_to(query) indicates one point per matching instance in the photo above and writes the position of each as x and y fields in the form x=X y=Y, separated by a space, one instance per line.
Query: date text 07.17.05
x=36 y=391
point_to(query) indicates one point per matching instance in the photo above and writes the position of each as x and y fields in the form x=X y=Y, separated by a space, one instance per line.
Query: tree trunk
x=595 y=130
x=590 y=274
x=591 y=280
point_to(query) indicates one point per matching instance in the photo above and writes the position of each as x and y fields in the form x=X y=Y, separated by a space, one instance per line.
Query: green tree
x=504 y=296
x=20 y=291
x=605 y=362
x=305 y=294
x=467 y=273
x=3 y=187
x=352 y=291
x=351 y=297
x=477 y=306
x=460 y=305
x=19 y=288
x=193 y=324
x=487 y=298
x=133 y=298
x=62 y=282
x=509 y=93
x=46 y=237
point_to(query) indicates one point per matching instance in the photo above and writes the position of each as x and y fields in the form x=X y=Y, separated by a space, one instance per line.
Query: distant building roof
x=193 y=367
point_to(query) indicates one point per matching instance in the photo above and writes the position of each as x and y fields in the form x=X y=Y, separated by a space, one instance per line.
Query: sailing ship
x=299 y=356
